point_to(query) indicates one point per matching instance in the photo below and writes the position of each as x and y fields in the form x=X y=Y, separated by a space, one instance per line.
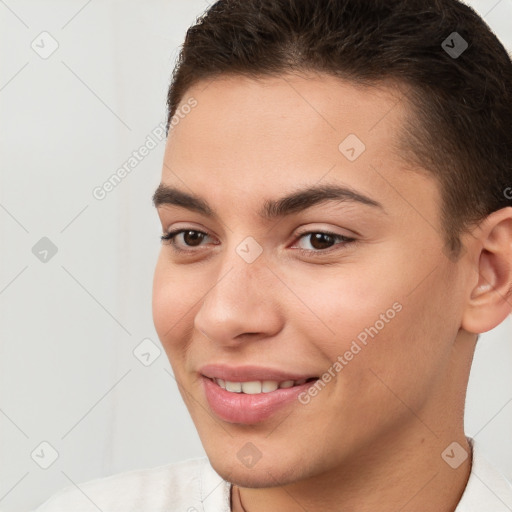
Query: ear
x=490 y=300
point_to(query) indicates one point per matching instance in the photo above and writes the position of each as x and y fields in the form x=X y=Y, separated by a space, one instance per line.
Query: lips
x=251 y=394
x=251 y=373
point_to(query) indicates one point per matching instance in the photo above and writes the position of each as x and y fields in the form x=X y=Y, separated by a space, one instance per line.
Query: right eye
x=189 y=236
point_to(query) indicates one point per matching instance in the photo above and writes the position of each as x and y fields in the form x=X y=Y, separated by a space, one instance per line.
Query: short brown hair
x=462 y=130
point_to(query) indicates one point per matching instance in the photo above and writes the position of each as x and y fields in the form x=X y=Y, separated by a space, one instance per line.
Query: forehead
x=276 y=117
x=317 y=96
x=248 y=137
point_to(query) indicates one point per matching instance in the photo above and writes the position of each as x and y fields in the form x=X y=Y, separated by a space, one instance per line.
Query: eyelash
x=305 y=252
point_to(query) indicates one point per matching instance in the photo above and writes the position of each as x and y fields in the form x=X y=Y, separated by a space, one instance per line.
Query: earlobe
x=490 y=299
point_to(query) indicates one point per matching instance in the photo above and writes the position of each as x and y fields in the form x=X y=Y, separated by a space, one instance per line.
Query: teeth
x=255 y=387
x=235 y=387
x=269 y=385
x=251 y=388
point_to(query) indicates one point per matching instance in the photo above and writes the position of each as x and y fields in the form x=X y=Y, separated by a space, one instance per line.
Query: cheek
x=379 y=321
x=333 y=306
x=403 y=361
x=172 y=302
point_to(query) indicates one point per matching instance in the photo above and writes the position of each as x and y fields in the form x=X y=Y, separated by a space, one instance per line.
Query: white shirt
x=194 y=486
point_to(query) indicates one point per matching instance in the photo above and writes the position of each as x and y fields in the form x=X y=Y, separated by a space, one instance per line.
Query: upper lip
x=249 y=373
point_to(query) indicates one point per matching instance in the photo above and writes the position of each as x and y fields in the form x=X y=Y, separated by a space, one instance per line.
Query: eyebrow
x=272 y=208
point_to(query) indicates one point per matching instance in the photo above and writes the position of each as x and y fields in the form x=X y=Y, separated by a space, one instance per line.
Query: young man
x=336 y=205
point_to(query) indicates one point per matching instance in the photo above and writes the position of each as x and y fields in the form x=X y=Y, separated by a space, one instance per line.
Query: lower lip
x=249 y=409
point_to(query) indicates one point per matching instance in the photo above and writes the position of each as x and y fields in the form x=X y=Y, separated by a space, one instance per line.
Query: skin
x=372 y=439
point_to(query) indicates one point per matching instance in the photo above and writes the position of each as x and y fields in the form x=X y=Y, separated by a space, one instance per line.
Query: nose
x=241 y=304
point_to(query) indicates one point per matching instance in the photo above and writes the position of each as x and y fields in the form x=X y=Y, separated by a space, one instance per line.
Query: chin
x=260 y=476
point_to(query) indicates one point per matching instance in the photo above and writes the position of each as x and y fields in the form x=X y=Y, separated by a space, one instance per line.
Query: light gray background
x=68 y=375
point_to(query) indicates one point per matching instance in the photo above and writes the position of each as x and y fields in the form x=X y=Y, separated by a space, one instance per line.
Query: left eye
x=322 y=241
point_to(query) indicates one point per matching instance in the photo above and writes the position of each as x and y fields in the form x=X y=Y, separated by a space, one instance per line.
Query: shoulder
x=179 y=486
x=487 y=488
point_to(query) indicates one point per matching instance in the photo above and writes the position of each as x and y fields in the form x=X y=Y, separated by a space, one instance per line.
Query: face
x=343 y=284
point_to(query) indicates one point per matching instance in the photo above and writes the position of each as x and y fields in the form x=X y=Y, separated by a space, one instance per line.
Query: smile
x=255 y=387
x=251 y=394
